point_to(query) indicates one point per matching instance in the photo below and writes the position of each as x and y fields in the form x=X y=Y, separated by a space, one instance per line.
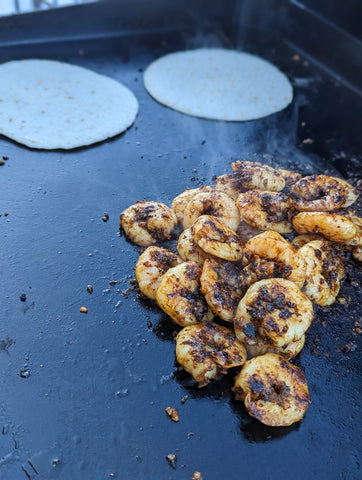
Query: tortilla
x=218 y=84
x=50 y=105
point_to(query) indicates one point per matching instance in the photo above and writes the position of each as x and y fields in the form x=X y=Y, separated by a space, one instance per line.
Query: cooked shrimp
x=231 y=184
x=179 y=295
x=145 y=223
x=221 y=287
x=336 y=228
x=321 y=193
x=151 y=265
x=324 y=271
x=356 y=241
x=188 y=249
x=274 y=310
x=265 y=210
x=208 y=350
x=289 y=351
x=180 y=202
x=301 y=240
x=274 y=391
x=217 y=204
x=273 y=247
x=289 y=177
x=256 y=176
x=215 y=237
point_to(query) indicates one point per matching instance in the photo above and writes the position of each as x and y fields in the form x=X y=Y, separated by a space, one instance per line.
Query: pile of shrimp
x=241 y=293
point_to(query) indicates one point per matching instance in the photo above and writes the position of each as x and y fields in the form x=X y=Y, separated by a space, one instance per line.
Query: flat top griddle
x=84 y=395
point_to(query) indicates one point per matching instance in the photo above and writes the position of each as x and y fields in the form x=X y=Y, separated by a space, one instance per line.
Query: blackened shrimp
x=180 y=202
x=262 y=346
x=146 y=223
x=274 y=310
x=217 y=204
x=324 y=272
x=231 y=184
x=221 y=287
x=207 y=351
x=151 y=265
x=289 y=176
x=216 y=238
x=274 y=391
x=188 y=249
x=301 y=240
x=257 y=176
x=265 y=210
x=321 y=193
x=337 y=228
x=179 y=295
x=272 y=247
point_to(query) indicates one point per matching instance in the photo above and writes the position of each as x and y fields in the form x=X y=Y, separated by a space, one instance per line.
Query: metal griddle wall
x=84 y=396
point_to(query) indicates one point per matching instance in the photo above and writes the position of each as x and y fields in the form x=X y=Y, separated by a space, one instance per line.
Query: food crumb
x=172 y=459
x=184 y=399
x=90 y=289
x=83 y=310
x=296 y=57
x=189 y=435
x=22 y=297
x=197 y=476
x=308 y=141
x=105 y=217
x=172 y=413
x=2 y=161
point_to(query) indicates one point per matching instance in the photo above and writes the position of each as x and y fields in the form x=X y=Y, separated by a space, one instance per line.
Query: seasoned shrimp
x=356 y=241
x=150 y=267
x=145 y=223
x=256 y=176
x=221 y=287
x=321 y=193
x=188 y=249
x=273 y=247
x=274 y=391
x=265 y=210
x=208 y=350
x=301 y=240
x=216 y=238
x=231 y=184
x=324 y=271
x=357 y=253
x=180 y=202
x=289 y=351
x=274 y=310
x=289 y=177
x=179 y=295
x=336 y=228
x=215 y=203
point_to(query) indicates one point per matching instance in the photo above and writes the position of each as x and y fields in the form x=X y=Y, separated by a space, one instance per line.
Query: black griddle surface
x=84 y=395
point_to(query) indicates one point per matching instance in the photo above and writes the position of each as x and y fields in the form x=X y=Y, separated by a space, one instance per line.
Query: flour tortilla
x=218 y=84
x=50 y=105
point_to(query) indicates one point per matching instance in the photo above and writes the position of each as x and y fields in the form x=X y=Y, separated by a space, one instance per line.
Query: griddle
x=84 y=395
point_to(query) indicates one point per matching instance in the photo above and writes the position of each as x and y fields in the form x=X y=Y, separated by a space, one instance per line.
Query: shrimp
x=207 y=351
x=221 y=287
x=289 y=177
x=324 y=271
x=357 y=253
x=188 y=249
x=274 y=391
x=231 y=184
x=216 y=238
x=321 y=193
x=289 y=351
x=180 y=202
x=274 y=310
x=273 y=247
x=217 y=204
x=179 y=295
x=265 y=210
x=336 y=228
x=356 y=241
x=150 y=267
x=256 y=176
x=301 y=240
x=145 y=223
